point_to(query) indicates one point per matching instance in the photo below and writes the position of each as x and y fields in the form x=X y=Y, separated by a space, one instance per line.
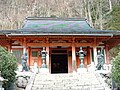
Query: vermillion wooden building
x=61 y=39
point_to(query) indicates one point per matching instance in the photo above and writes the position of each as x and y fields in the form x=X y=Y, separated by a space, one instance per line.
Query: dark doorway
x=59 y=63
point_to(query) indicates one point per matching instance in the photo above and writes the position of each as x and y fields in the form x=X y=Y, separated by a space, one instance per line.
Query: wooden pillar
x=24 y=49
x=24 y=46
x=95 y=55
x=47 y=57
x=88 y=55
x=73 y=58
x=91 y=56
x=95 y=51
x=107 y=55
x=10 y=48
x=69 y=60
x=29 y=49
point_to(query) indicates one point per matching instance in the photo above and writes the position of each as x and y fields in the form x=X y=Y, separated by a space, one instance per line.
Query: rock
x=21 y=81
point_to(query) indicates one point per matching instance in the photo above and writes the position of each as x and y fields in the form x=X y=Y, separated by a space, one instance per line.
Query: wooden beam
x=60 y=36
x=59 y=44
x=37 y=44
x=83 y=44
x=49 y=44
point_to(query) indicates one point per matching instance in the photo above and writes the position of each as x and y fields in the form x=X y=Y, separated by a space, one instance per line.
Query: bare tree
x=13 y=12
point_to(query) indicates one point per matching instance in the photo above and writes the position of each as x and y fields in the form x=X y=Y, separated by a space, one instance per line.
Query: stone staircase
x=72 y=81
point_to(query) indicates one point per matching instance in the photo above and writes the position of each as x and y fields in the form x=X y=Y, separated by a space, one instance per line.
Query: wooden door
x=35 y=57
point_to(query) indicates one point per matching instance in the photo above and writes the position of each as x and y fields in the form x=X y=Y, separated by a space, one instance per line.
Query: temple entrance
x=59 y=63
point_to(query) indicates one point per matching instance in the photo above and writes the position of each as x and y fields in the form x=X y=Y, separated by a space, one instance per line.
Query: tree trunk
x=100 y=15
x=85 y=9
x=89 y=14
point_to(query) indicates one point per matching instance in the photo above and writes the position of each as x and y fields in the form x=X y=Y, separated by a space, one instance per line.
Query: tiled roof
x=56 y=25
x=49 y=26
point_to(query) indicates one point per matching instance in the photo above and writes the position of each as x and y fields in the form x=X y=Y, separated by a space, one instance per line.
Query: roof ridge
x=56 y=18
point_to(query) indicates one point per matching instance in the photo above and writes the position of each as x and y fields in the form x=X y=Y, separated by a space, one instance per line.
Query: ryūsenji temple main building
x=62 y=39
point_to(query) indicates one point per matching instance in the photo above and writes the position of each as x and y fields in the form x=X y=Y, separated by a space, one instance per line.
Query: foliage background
x=116 y=69
x=8 y=65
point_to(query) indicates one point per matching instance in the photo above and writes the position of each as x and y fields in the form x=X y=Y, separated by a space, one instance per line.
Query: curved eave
x=53 y=34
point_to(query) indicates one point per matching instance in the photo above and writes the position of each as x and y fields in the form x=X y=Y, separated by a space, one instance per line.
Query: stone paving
x=72 y=81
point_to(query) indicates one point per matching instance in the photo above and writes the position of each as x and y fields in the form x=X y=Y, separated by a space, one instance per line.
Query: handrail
x=30 y=82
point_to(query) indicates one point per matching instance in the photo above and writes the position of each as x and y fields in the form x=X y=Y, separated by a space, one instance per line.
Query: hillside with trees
x=101 y=14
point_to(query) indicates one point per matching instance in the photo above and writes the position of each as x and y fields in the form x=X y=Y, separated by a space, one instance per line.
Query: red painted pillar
x=88 y=55
x=47 y=57
x=95 y=51
x=95 y=55
x=107 y=54
x=73 y=58
x=29 y=51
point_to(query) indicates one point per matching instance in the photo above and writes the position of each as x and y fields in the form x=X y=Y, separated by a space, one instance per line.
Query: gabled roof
x=49 y=25
x=58 y=26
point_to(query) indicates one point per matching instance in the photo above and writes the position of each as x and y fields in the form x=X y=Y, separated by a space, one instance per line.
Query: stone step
x=86 y=81
x=68 y=88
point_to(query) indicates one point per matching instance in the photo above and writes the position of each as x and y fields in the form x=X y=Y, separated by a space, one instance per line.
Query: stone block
x=43 y=71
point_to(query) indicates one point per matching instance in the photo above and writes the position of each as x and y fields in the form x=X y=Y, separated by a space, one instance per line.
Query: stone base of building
x=44 y=70
x=81 y=70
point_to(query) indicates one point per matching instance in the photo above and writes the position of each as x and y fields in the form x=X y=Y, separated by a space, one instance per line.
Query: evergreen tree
x=8 y=65
x=116 y=69
x=114 y=19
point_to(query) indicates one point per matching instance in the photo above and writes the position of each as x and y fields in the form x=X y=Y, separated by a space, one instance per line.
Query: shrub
x=116 y=69
x=8 y=64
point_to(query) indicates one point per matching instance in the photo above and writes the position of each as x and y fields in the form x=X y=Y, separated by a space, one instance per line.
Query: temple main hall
x=61 y=39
